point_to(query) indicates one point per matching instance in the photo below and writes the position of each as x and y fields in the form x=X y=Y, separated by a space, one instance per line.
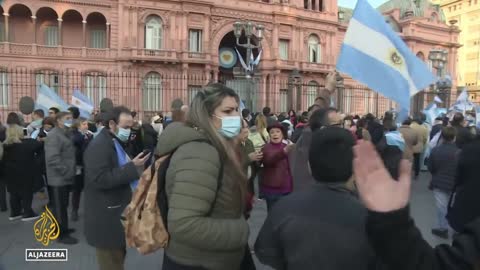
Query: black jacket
x=391 y=156
x=319 y=228
x=376 y=131
x=442 y=164
x=466 y=206
x=464 y=136
x=80 y=141
x=107 y=192
x=400 y=245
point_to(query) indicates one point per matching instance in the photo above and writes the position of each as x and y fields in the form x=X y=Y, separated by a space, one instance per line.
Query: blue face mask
x=123 y=134
x=68 y=123
x=231 y=126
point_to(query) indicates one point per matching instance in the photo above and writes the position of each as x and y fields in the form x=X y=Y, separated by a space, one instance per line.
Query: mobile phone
x=25 y=132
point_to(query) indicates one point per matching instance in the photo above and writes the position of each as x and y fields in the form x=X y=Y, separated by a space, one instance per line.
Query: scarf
x=123 y=159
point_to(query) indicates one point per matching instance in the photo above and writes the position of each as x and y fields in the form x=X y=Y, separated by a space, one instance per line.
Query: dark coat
x=466 y=206
x=19 y=161
x=60 y=158
x=435 y=129
x=322 y=227
x=149 y=137
x=376 y=131
x=80 y=141
x=464 y=136
x=107 y=192
x=391 y=156
x=442 y=164
x=401 y=246
x=302 y=178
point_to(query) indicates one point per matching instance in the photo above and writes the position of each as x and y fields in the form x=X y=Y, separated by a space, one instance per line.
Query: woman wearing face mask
x=205 y=185
x=276 y=180
x=60 y=161
x=81 y=136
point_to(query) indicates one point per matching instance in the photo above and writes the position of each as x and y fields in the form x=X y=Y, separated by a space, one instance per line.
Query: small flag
x=462 y=104
x=375 y=55
x=47 y=98
x=242 y=61
x=438 y=99
x=83 y=103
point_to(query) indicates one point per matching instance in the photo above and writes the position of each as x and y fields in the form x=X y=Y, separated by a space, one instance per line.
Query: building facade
x=466 y=15
x=145 y=53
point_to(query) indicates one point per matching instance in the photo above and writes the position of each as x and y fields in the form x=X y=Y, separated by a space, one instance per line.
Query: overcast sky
x=351 y=3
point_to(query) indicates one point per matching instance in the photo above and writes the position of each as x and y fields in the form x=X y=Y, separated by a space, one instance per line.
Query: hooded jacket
x=216 y=241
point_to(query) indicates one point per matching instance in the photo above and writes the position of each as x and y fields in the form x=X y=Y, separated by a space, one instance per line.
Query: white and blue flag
x=463 y=103
x=372 y=53
x=437 y=99
x=477 y=114
x=83 y=103
x=47 y=98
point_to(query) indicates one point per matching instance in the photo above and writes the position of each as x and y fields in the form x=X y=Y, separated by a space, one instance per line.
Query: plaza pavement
x=18 y=235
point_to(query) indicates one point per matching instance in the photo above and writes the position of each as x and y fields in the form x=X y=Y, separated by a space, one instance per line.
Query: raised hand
x=378 y=190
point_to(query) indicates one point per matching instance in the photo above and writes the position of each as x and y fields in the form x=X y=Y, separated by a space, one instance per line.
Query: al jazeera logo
x=46 y=229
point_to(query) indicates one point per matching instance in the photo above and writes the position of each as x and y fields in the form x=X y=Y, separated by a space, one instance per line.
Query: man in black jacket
x=390 y=229
x=322 y=227
x=464 y=136
x=442 y=164
x=108 y=187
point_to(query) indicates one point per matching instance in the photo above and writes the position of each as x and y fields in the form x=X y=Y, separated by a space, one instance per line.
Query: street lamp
x=439 y=61
x=251 y=29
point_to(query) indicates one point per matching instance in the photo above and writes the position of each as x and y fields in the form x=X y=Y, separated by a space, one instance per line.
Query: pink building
x=146 y=53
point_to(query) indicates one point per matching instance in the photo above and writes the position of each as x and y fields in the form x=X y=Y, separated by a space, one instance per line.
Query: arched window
x=152 y=92
x=434 y=17
x=153 y=33
x=314 y=49
x=96 y=87
x=311 y=93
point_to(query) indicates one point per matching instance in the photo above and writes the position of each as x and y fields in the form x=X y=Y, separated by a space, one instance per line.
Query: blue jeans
x=441 y=201
x=271 y=199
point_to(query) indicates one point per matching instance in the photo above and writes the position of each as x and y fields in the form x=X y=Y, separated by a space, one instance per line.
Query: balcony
x=149 y=55
x=317 y=67
x=286 y=64
x=55 y=51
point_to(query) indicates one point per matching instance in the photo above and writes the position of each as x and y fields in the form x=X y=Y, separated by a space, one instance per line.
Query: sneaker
x=30 y=217
x=68 y=240
x=17 y=217
x=442 y=233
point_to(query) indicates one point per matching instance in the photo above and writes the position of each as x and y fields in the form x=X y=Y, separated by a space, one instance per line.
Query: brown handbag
x=142 y=220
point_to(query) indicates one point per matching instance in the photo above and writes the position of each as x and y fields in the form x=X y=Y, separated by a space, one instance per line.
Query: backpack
x=145 y=217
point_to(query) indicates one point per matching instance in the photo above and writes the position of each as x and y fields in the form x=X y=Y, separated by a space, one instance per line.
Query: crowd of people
x=336 y=186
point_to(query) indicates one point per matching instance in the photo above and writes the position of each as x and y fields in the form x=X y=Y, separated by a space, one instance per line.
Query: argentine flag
x=83 y=103
x=372 y=53
x=47 y=98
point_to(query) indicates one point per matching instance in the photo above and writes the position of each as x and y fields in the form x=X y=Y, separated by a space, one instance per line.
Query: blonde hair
x=14 y=134
x=200 y=116
x=261 y=123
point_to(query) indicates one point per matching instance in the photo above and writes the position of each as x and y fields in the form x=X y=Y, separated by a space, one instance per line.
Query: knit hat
x=331 y=154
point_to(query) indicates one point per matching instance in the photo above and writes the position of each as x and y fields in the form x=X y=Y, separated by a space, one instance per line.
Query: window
x=283 y=49
x=195 y=40
x=192 y=92
x=283 y=100
x=50 y=79
x=153 y=33
x=96 y=88
x=314 y=50
x=51 y=35
x=152 y=92
x=311 y=93
x=97 y=39
x=4 y=93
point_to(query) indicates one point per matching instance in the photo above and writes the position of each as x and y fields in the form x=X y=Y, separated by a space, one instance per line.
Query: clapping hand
x=378 y=190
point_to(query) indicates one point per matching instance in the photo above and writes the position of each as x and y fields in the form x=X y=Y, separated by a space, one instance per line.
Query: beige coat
x=411 y=140
x=422 y=132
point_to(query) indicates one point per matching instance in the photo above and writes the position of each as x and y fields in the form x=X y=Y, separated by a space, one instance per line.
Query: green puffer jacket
x=215 y=242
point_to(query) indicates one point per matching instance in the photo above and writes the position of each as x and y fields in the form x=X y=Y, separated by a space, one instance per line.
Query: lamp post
x=444 y=84
x=251 y=29
x=340 y=88
x=294 y=83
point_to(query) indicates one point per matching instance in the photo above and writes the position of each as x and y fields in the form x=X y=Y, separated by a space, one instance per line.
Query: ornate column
x=34 y=20
x=7 y=36
x=60 y=20
x=310 y=4
x=107 y=43
x=317 y=5
x=84 y=33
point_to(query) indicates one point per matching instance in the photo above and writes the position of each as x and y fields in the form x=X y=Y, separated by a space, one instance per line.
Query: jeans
x=271 y=199
x=441 y=201
x=111 y=259
x=416 y=163
x=59 y=204
x=21 y=203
